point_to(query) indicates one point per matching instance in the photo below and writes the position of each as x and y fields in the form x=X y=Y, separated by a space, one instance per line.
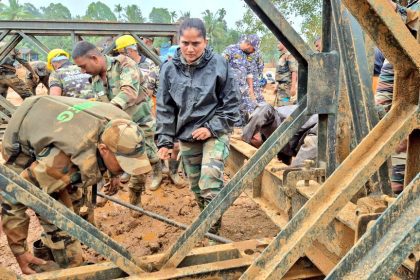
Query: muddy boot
x=156 y=176
x=101 y=201
x=217 y=225
x=137 y=187
x=173 y=174
x=66 y=251
x=43 y=252
x=125 y=178
x=164 y=164
x=200 y=202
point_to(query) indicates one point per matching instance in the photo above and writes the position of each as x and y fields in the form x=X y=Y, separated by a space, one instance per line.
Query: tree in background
x=310 y=11
x=160 y=15
x=173 y=16
x=56 y=11
x=184 y=15
x=118 y=9
x=14 y=11
x=30 y=8
x=133 y=14
x=216 y=27
x=99 y=11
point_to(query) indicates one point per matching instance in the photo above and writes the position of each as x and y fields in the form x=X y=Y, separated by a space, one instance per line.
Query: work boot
x=218 y=224
x=41 y=251
x=173 y=174
x=66 y=251
x=156 y=176
x=134 y=197
x=100 y=201
x=125 y=178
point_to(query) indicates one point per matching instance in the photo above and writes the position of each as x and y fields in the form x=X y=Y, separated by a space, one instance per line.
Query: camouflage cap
x=253 y=39
x=126 y=140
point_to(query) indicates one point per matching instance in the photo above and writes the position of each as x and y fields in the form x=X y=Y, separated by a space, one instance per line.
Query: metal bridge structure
x=339 y=219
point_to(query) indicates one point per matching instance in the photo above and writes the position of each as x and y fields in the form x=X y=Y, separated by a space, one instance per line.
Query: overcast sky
x=234 y=8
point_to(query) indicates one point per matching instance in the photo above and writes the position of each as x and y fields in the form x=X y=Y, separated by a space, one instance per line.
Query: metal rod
x=146 y=50
x=235 y=187
x=43 y=204
x=4 y=52
x=383 y=248
x=34 y=41
x=162 y=218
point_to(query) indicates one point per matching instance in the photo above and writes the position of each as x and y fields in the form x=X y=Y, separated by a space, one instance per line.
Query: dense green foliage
x=306 y=13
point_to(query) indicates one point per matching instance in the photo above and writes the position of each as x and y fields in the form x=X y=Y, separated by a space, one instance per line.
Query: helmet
x=55 y=53
x=124 y=41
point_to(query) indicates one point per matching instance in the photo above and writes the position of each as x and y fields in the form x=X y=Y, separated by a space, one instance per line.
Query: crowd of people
x=113 y=119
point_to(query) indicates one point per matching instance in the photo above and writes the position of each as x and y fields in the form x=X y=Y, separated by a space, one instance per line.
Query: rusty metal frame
x=388 y=243
x=29 y=29
x=402 y=50
x=324 y=206
x=15 y=189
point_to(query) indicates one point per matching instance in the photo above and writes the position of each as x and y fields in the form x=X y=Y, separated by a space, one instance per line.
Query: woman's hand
x=164 y=153
x=201 y=133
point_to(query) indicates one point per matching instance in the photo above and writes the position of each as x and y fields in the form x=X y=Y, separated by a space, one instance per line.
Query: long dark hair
x=192 y=23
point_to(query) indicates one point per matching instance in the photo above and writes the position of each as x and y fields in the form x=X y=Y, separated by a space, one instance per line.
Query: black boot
x=173 y=174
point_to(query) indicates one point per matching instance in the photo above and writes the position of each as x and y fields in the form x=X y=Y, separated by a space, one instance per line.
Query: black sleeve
x=167 y=112
x=227 y=112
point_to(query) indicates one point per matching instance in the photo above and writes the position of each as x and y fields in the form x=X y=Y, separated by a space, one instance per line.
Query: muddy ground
x=145 y=236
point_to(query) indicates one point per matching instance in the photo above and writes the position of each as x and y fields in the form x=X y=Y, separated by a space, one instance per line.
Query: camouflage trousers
x=283 y=95
x=247 y=105
x=204 y=163
x=11 y=80
x=138 y=182
x=53 y=173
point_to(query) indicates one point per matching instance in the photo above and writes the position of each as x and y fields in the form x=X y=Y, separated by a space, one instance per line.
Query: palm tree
x=133 y=14
x=118 y=9
x=173 y=16
x=15 y=11
x=215 y=23
x=184 y=15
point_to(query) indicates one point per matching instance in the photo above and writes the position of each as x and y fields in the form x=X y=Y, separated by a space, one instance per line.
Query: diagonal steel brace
x=13 y=187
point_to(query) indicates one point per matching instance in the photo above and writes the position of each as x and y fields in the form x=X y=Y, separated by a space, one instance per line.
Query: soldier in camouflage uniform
x=118 y=80
x=40 y=68
x=66 y=79
x=286 y=77
x=197 y=103
x=62 y=157
x=247 y=63
x=127 y=45
x=8 y=77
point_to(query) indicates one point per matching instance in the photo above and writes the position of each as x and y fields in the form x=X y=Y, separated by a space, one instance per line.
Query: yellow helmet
x=124 y=41
x=54 y=53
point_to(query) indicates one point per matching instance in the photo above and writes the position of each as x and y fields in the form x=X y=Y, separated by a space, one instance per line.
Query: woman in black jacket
x=197 y=103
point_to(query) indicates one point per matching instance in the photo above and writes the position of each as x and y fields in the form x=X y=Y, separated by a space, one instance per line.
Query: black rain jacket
x=194 y=96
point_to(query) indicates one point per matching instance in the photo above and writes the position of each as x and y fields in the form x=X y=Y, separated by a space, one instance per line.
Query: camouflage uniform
x=72 y=81
x=58 y=162
x=285 y=66
x=8 y=77
x=150 y=73
x=125 y=89
x=202 y=94
x=246 y=66
x=40 y=68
